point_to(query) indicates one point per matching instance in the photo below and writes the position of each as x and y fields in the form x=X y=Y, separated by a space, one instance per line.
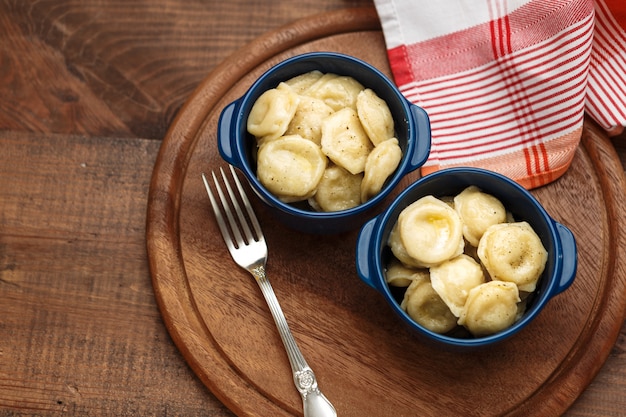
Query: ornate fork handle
x=314 y=402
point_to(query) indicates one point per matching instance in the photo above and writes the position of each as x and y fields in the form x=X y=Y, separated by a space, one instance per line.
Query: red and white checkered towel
x=506 y=82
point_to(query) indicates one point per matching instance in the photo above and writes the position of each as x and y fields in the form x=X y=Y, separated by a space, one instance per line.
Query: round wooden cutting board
x=366 y=362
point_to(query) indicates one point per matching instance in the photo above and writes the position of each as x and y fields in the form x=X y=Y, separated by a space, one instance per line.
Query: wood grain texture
x=81 y=333
x=88 y=88
x=121 y=69
x=366 y=362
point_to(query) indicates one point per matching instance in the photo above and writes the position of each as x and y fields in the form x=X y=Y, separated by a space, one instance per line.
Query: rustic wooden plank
x=80 y=331
x=121 y=69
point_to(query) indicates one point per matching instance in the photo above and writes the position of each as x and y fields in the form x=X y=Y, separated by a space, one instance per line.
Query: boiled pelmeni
x=271 y=113
x=344 y=141
x=490 y=307
x=307 y=120
x=290 y=167
x=399 y=275
x=337 y=190
x=478 y=211
x=379 y=165
x=398 y=249
x=454 y=279
x=300 y=83
x=424 y=305
x=338 y=91
x=431 y=231
x=513 y=252
x=375 y=116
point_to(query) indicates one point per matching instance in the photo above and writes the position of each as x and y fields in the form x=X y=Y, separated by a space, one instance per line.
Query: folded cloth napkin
x=506 y=82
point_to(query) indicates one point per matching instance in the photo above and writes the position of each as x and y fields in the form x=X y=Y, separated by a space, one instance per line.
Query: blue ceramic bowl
x=372 y=253
x=238 y=147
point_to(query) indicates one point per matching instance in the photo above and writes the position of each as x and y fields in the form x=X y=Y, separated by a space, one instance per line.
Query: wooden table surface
x=88 y=89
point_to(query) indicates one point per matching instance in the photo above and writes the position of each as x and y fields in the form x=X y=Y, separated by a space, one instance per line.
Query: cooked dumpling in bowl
x=399 y=275
x=307 y=120
x=423 y=304
x=291 y=167
x=454 y=279
x=513 y=252
x=271 y=113
x=431 y=231
x=478 y=211
x=344 y=141
x=337 y=190
x=490 y=308
x=375 y=116
x=338 y=91
x=379 y=165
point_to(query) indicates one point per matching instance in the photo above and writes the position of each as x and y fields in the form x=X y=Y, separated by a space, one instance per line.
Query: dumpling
x=379 y=165
x=424 y=305
x=338 y=190
x=290 y=167
x=454 y=279
x=307 y=120
x=431 y=231
x=398 y=275
x=344 y=141
x=398 y=249
x=338 y=91
x=478 y=211
x=300 y=83
x=490 y=307
x=375 y=116
x=513 y=252
x=271 y=113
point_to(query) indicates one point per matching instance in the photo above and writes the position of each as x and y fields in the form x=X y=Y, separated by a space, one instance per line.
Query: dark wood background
x=88 y=89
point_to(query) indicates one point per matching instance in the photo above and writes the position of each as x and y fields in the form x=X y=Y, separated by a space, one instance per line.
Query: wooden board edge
x=578 y=370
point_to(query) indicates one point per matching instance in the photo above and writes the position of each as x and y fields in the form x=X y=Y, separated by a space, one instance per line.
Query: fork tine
x=217 y=211
x=228 y=208
x=219 y=216
x=242 y=219
x=246 y=202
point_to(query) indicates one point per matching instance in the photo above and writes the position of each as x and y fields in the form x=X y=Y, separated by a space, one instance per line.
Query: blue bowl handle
x=225 y=135
x=570 y=258
x=363 y=255
x=422 y=137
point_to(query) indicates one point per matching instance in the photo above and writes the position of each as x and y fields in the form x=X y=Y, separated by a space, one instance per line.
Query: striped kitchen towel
x=506 y=82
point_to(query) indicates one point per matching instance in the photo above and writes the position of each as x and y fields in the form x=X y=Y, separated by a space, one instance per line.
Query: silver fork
x=249 y=250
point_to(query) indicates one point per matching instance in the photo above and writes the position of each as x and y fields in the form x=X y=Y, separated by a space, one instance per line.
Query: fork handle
x=315 y=403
